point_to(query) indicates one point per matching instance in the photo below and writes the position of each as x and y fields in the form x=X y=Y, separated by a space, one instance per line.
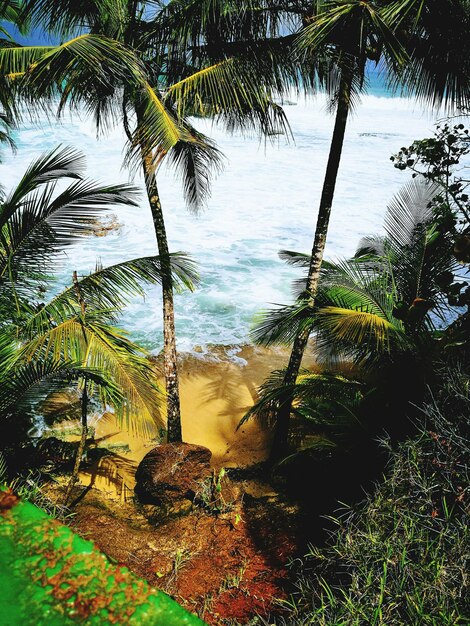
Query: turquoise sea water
x=264 y=201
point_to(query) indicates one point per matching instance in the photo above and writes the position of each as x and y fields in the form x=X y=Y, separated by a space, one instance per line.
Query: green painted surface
x=51 y=577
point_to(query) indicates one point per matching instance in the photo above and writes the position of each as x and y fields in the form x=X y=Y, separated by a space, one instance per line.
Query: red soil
x=226 y=567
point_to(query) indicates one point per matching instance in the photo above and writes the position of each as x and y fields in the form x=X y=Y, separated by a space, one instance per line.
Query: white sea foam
x=265 y=200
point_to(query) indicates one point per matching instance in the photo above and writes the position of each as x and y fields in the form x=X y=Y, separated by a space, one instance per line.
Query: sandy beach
x=216 y=391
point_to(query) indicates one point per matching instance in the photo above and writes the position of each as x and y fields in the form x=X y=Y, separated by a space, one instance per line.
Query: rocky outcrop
x=105 y=226
x=172 y=473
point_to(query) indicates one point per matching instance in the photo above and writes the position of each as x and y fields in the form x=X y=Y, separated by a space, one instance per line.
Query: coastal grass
x=402 y=556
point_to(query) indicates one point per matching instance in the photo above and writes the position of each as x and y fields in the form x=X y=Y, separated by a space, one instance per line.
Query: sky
x=35 y=38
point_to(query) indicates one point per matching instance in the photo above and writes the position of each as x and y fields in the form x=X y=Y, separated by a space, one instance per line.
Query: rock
x=171 y=473
x=59 y=453
x=100 y=227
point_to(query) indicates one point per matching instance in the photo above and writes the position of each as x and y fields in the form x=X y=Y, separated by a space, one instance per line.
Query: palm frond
x=282 y=324
x=29 y=383
x=21 y=382
x=409 y=209
x=65 y=17
x=419 y=252
x=354 y=27
x=214 y=89
x=297 y=259
x=45 y=223
x=195 y=161
x=107 y=350
x=10 y=11
x=193 y=26
x=356 y=327
x=3 y=470
x=107 y=290
x=112 y=352
x=157 y=131
x=437 y=73
x=358 y=283
x=270 y=393
x=50 y=167
x=82 y=72
x=7 y=124
x=158 y=116
x=233 y=92
x=371 y=246
x=268 y=121
x=327 y=400
x=16 y=60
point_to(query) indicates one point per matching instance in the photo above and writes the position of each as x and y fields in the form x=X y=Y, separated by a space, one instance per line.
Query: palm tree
x=71 y=337
x=10 y=14
x=380 y=313
x=400 y=35
x=328 y=403
x=152 y=108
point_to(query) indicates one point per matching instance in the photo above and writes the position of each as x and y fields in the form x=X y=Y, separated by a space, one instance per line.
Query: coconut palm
x=406 y=37
x=10 y=15
x=152 y=108
x=259 y=34
x=326 y=408
x=71 y=336
x=381 y=312
x=400 y=274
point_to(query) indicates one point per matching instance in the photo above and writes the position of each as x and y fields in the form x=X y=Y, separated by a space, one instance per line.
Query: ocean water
x=265 y=200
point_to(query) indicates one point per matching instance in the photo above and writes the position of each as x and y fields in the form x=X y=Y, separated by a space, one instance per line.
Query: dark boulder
x=57 y=452
x=172 y=473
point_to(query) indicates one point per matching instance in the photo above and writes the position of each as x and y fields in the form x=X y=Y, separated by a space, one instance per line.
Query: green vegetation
x=390 y=326
x=71 y=337
x=30 y=489
x=51 y=576
x=391 y=317
x=391 y=334
x=401 y=557
x=406 y=38
x=121 y=71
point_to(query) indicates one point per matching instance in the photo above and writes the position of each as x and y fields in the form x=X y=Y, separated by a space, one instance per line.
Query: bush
x=401 y=557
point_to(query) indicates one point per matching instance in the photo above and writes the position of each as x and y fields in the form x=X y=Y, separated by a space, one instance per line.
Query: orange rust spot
x=7 y=501
x=119 y=576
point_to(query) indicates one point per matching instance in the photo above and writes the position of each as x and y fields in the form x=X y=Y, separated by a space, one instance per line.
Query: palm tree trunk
x=169 y=336
x=81 y=445
x=281 y=433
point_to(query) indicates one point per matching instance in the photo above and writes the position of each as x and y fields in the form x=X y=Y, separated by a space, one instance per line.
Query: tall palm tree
x=152 y=108
x=405 y=36
x=71 y=336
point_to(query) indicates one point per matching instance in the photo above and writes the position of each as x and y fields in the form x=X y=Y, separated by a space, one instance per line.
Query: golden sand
x=216 y=391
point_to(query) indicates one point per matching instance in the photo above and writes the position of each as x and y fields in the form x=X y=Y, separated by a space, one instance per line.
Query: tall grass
x=402 y=557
